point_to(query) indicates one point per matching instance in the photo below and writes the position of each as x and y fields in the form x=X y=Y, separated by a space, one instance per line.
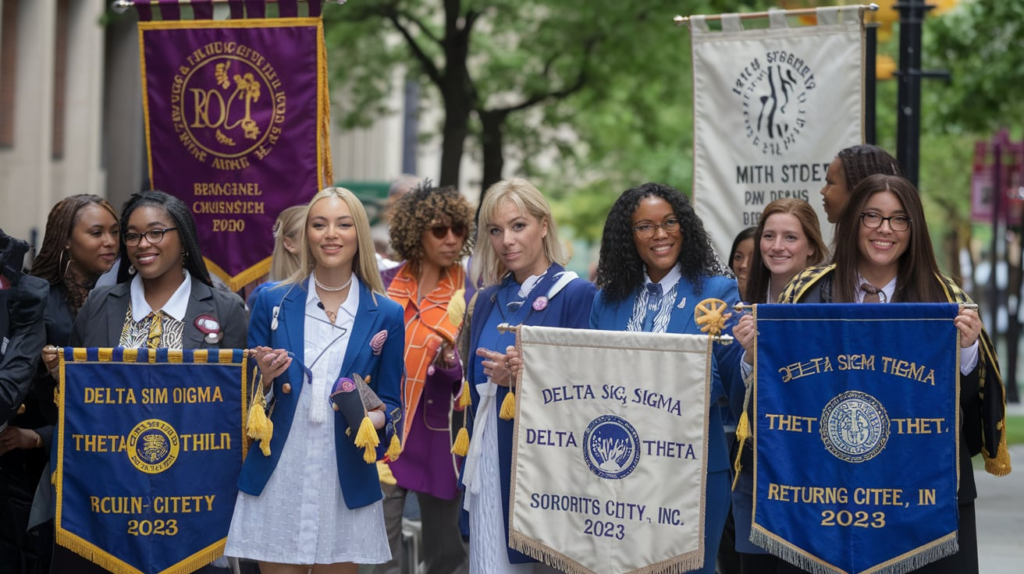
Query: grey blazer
x=101 y=319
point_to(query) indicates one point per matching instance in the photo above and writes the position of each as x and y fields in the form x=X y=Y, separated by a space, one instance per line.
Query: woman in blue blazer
x=518 y=259
x=656 y=265
x=313 y=500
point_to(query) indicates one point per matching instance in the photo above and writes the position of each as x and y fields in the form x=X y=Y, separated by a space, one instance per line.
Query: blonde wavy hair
x=365 y=264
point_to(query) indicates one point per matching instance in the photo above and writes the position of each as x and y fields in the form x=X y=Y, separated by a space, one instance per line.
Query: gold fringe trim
x=175 y=355
x=200 y=356
x=902 y=564
x=324 y=170
x=105 y=354
x=544 y=553
x=236 y=282
x=105 y=560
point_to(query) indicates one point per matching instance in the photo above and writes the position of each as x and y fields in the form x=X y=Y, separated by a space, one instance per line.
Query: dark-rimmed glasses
x=875 y=220
x=647 y=230
x=441 y=231
x=153 y=236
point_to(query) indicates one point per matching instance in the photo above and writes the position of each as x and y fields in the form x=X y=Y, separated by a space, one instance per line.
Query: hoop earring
x=60 y=263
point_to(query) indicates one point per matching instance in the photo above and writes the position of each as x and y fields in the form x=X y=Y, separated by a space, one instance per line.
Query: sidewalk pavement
x=1000 y=510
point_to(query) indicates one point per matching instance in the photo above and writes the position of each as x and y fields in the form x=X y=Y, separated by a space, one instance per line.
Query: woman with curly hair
x=656 y=264
x=429 y=231
x=520 y=262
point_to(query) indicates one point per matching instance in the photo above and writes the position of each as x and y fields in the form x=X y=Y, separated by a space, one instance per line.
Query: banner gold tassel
x=258 y=426
x=366 y=438
x=461 y=446
x=395 y=448
x=508 y=407
x=385 y=474
x=743 y=428
x=465 y=399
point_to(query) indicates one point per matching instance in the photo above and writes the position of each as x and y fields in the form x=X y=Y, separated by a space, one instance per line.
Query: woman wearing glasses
x=656 y=265
x=884 y=254
x=429 y=227
x=165 y=300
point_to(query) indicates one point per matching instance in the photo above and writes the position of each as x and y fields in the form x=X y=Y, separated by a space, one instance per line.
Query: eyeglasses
x=896 y=222
x=647 y=230
x=441 y=231
x=153 y=236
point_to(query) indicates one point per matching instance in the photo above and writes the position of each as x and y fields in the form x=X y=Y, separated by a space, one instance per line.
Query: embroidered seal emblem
x=854 y=426
x=611 y=447
x=153 y=446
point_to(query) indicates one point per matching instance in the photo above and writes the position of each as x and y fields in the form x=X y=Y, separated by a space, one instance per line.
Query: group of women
x=417 y=331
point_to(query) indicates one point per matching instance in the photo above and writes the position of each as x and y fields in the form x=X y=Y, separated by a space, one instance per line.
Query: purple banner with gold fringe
x=237 y=119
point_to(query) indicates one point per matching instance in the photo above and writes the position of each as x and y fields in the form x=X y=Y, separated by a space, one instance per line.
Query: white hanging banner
x=772 y=107
x=610 y=450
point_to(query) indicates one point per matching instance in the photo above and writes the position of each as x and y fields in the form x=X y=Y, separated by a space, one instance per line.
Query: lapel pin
x=210 y=327
x=540 y=303
x=377 y=342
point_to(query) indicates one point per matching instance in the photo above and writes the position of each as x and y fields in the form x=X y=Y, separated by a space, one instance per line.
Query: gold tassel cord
x=508 y=407
x=258 y=426
x=465 y=399
x=461 y=446
x=367 y=439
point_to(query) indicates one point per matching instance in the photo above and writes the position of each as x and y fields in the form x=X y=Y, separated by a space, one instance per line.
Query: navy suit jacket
x=385 y=372
x=725 y=370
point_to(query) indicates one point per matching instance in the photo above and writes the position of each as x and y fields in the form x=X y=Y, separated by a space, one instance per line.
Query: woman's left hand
x=969 y=324
x=16 y=437
x=495 y=366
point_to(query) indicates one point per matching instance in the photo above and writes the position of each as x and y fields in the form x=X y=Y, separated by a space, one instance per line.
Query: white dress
x=301 y=517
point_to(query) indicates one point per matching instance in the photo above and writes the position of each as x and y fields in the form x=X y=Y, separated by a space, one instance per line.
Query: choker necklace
x=332 y=289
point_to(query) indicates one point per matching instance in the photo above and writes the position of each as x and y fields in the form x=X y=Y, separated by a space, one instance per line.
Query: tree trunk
x=455 y=130
x=493 y=122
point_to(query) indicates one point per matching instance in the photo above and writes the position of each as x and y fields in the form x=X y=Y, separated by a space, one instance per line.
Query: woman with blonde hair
x=519 y=261
x=326 y=325
x=285 y=260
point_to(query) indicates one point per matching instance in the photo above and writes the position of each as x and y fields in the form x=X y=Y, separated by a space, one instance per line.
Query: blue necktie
x=653 y=305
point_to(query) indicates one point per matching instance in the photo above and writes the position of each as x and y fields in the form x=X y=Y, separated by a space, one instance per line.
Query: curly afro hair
x=620 y=271
x=422 y=208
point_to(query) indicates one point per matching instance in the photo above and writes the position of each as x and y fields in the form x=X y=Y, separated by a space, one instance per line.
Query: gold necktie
x=156 y=329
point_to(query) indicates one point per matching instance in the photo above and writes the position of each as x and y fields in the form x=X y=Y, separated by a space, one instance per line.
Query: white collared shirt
x=176 y=306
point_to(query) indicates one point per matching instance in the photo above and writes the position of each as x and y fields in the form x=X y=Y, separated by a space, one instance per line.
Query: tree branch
x=428 y=65
x=581 y=80
x=421 y=25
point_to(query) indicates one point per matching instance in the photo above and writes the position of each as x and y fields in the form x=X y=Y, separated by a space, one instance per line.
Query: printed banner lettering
x=856 y=427
x=610 y=453
x=149 y=448
x=772 y=107
x=236 y=125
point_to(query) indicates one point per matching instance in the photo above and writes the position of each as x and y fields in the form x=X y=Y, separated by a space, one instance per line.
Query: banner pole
x=680 y=20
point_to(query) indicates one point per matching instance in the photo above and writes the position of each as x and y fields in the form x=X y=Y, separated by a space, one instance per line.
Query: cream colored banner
x=610 y=450
x=772 y=107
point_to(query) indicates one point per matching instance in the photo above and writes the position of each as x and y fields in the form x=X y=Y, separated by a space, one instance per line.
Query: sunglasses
x=441 y=231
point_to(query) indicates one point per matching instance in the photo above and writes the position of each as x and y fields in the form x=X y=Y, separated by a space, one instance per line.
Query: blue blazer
x=725 y=370
x=360 y=484
x=569 y=308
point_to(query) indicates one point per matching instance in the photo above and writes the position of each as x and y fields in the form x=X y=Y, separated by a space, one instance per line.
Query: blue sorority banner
x=149 y=447
x=856 y=423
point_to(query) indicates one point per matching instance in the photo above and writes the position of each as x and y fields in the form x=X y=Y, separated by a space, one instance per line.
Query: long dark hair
x=760 y=277
x=742 y=236
x=52 y=259
x=620 y=271
x=178 y=211
x=917 y=274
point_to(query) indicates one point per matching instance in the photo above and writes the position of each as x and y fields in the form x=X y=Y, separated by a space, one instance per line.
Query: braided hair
x=179 y=213
x=51 y=261
x=860 y=161
x=620 y=271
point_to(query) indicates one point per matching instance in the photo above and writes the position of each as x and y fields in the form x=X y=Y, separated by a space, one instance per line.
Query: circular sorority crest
x=153 y=446
x=775 y=90
x=854 y=426
x=227 y=105
x=611 y=447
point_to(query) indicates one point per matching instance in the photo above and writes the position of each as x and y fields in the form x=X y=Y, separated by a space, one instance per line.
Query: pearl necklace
x=332 y=289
